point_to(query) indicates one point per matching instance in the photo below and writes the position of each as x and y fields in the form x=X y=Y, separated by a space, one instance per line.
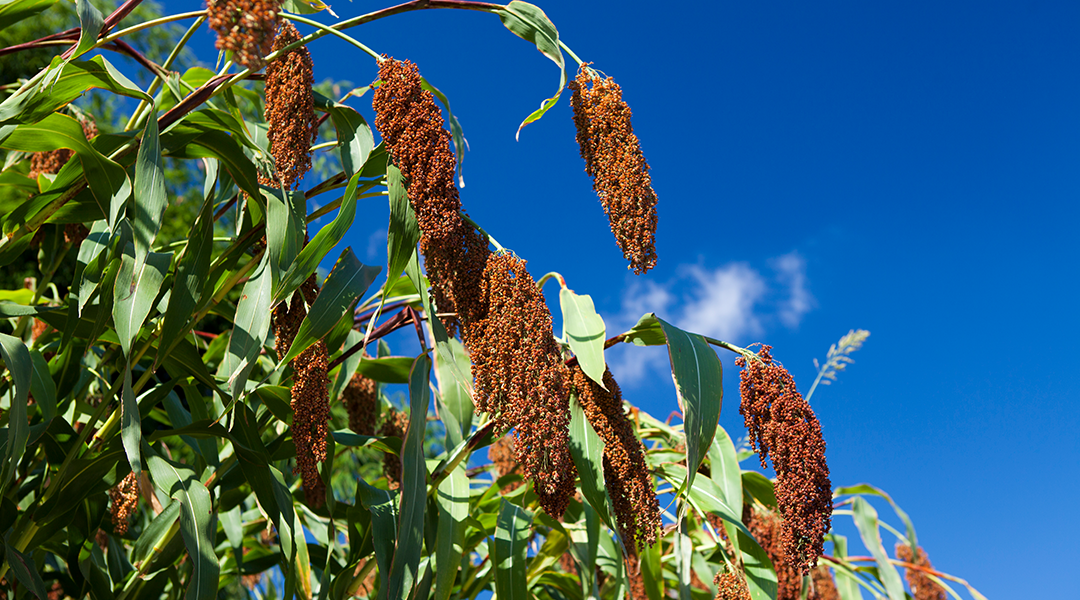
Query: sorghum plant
x=202 y=418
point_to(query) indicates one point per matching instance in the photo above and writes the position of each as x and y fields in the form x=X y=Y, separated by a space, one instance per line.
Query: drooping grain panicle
x=309 y=398
x=52 y=161
x=411 y=125
x=501 y=454
x=290 y=109
x=245 y=28
x=395 y=425
x=782 y=426
x=822 y=585
x=922 y=587
x=730 y=586
x=125 y=500
x=361 y=400
x=768 y=529
x=626 y=474
x=521 y=379
x=635 y=578
x=614 y=160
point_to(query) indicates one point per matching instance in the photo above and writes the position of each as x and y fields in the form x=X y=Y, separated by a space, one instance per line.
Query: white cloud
x=733 y=302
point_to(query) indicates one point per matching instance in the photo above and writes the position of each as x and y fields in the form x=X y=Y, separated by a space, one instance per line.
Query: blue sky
x=907 y=168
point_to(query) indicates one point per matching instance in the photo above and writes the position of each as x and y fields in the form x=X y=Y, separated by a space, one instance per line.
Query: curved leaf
x=76 y=77
x=355 y=141
x=453 y=500
x=866 y=519
x=512 y=531
x=136 y=289
x=250 y=329
x=20 y=365
x=150 y=200
x=403 y=232
x=585 y=331
x=529 y=22
x=586 y=448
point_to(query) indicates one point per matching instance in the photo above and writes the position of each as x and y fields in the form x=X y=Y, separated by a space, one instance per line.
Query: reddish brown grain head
x=635 y=578
x=922 y=587
x=396 y=425
x=822 y=585
x=768 y=529
x=614 y=160
x=783 y=426
x=361 y=399
x=626 y=474
x=125 y=500
x=245 y=28
x=731 y=586
x=501 y=454
x=411 y=125
x=290 y=108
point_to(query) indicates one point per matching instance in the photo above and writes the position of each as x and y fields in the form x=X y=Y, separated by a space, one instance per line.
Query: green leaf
x=847 y=585
x=323 y=242
x=42 y=386
x=384 y=517
x=347 y=282
x=196 y=522
x=154 y=533
x=760 y=574
x=697 y=372
x=355 y=141
x=250 y=329
x=403 y=232
x=647 y=332
x=191 y=278
x=90 y=24
x=866 y=519
x=453 y=500
x=26 y=572
x=285 y=229
x=404 y=568
x=757 y=486
x=724 y=468
x=130 y=424
x=136 y=290
x=652 y=571
x=529 y=22
x=586 y=448
x=585 y=331
x=866 y=488
x=150 y=200
x=389 y=369
x=108 y=180
x=512 y=531
x=456 y=405
x=348 y=366
x=556 y=544
x=18 y=10
x=457 y=134
x=75 y=77
x=20 y=365
x=684 y=550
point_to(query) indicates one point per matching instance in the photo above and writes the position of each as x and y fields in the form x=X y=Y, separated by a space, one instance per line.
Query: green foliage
x=162 y=267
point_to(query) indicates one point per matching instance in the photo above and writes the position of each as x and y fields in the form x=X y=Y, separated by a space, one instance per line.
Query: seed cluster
x=626 y=474
x=361 y=399
x=614 y=160
x=309 y=398
x=922 y=587
x=245 y=28
x=521 y=379
x=782 y=425
x=125 y=501
x=290 y=108
x=635 y=578
x=731 y=586
x=768 y=529
x=396 y=425
x=412 y=127
x=501 y=454
x=52 y=161
x=823 y=585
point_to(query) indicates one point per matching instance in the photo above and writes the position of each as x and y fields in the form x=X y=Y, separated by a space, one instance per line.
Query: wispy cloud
x=734 y=302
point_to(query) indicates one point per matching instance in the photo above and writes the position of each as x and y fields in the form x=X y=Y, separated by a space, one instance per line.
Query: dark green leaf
x=21 y=366
x=347 y=282
x=510 y=551
x=285 y=229
x=250 y=329
x=191 y=275
x=587 y=449
x=584 y=330
x=26 y=572
x=453 y=499
x=90 y=24
x=18 y=10
x=196 y=522
x=76 y=77
x=323 y=242
x=150 y=200
x=384 y=517
x=403 y=232
x=348 y=366
x=404 y=568
x=42 y=386
x=136 y=289
x=355 y=141
x=131 y=424
x=757 y=486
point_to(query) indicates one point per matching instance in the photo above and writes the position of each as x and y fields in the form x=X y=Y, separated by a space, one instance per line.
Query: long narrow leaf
x=511 y=543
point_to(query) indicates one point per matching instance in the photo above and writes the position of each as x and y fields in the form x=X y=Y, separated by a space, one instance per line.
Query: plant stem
x=137 y=116
x=562 y=281
x=148 y=24
x=332 y=31
x=493 y=241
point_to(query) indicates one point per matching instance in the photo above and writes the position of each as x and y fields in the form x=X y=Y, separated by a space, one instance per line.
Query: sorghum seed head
x=823 y=587
x=782 y=425
x=290 y=108
x=125 y=501
x=411 y=125
x=635 y=577
x=614 y=160
x=626 y=474
x=521 y=379
x=501 y=454
x=245 y=28
x=922 y=587
x=361 y=399
x=768 y=529
x=731 y=586
x=396 y=425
